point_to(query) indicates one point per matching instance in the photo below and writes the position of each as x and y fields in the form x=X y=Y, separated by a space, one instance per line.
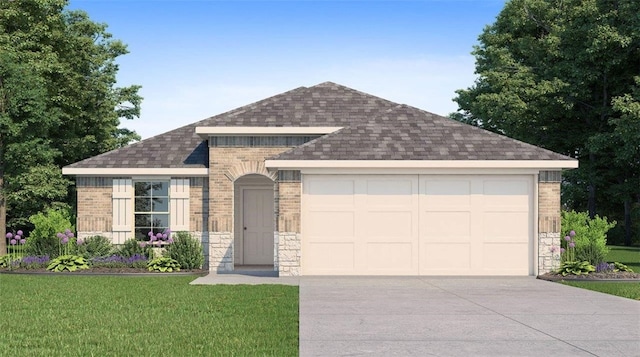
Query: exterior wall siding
x=548 y=221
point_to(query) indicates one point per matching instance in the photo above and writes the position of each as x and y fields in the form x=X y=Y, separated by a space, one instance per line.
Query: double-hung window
x=151 y=208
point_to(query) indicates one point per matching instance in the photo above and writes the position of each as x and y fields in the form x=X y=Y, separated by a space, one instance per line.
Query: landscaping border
x=575 y=278
x=186 y=273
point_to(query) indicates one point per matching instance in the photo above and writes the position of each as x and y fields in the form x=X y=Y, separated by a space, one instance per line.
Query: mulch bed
x=612 y=276
x=106 y=271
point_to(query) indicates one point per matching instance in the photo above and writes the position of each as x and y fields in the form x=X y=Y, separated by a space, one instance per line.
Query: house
x=328 y=180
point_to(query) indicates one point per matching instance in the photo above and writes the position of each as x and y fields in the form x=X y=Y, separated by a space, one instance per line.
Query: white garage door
x=417 y=225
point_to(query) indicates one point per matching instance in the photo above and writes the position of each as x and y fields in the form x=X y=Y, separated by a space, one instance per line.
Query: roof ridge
x=261 y=102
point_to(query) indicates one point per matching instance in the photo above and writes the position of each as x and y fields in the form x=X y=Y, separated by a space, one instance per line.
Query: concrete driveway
x=427 y=316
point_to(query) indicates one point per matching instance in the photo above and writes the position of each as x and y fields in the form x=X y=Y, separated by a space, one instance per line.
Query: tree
x=560 y=74
x=58 y=103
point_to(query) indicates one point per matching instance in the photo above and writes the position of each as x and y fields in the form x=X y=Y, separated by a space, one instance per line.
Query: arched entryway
x=254 y=221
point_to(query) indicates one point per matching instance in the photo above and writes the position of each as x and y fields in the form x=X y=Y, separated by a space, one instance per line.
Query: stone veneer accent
x=220 y=251
x=287 y=250
x=548 y=221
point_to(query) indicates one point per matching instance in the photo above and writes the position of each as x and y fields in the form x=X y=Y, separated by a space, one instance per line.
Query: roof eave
x=424 y=164
x=136 y=171
x=206 y=131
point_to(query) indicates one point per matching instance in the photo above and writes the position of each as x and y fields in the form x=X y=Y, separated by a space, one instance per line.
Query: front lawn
x=144 y=316
x=630 y=256
x=629 y=290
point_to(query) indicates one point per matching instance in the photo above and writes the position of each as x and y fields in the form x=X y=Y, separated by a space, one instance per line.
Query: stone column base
x=220 y=251
x=548 y=252
x=287 y=253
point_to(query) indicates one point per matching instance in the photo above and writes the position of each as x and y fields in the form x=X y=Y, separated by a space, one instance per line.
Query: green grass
x=144 y=316
x=629 y=290
x=630 y=256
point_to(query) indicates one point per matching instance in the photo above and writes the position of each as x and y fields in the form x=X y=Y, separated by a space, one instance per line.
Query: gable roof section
x=326 y=104
x=373 y=129
x=407 y=133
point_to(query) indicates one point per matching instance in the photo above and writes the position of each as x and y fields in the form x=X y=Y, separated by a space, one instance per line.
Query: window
x=151 y=208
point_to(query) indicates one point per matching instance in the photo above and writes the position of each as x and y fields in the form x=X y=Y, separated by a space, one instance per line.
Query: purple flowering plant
x=161 y=238
x=34 y=262
x=16 y=248
x=66 y=239
x=568 y=250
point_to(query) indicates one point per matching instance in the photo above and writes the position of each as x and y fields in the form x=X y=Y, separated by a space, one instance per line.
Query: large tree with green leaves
x=58 y=102
x=565 y=75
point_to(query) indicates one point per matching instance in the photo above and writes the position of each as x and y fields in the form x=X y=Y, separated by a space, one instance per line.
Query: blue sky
x=196 y=59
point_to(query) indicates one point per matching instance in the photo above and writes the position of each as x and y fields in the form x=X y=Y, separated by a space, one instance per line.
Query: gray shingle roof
x=407 y=133
x=375 y=129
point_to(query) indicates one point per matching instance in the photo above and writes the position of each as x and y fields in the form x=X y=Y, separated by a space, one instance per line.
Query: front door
x=257 y=226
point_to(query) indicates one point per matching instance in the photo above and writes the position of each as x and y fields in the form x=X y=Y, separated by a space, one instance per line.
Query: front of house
x=327 y=180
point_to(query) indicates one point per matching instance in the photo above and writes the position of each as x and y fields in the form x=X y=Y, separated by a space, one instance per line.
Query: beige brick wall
x=289 y=207
x=198 y=204
x=548 y=207
x=226 y=165
x=94 y=204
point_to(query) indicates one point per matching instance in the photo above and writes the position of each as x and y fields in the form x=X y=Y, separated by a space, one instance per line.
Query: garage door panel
x=329 y=258
x=514 y=194
x=444 y=258
x=387 y=258
x=506 y=224
x=452 y=225
x=506 y=258
x=389 y=224
x=330 y=223
x=389 y=193
x=332 y=193
x=417 y=224
x=439 y=194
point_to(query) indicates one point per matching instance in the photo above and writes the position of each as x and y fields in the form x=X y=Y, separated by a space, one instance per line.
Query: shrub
x=621 y=267
x=186 y=250
x=164 y=265
x=5 y=261
x=575 y=268
x=132 y=247
x=118 y=261
x=43 y=240
x=95 y=246
x=68 y=263
x=589 y=235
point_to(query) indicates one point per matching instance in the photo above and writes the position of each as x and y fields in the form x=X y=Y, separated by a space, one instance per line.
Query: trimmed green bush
x=94 y=247
x=132 y=247
x=68 y=263
x=43 y=240
x=164 y=265
x=186 y=250
x=589 y=235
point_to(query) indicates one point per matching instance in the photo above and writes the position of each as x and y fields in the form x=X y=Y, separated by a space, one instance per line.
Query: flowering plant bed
x=102 y=271
x=617 y=276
